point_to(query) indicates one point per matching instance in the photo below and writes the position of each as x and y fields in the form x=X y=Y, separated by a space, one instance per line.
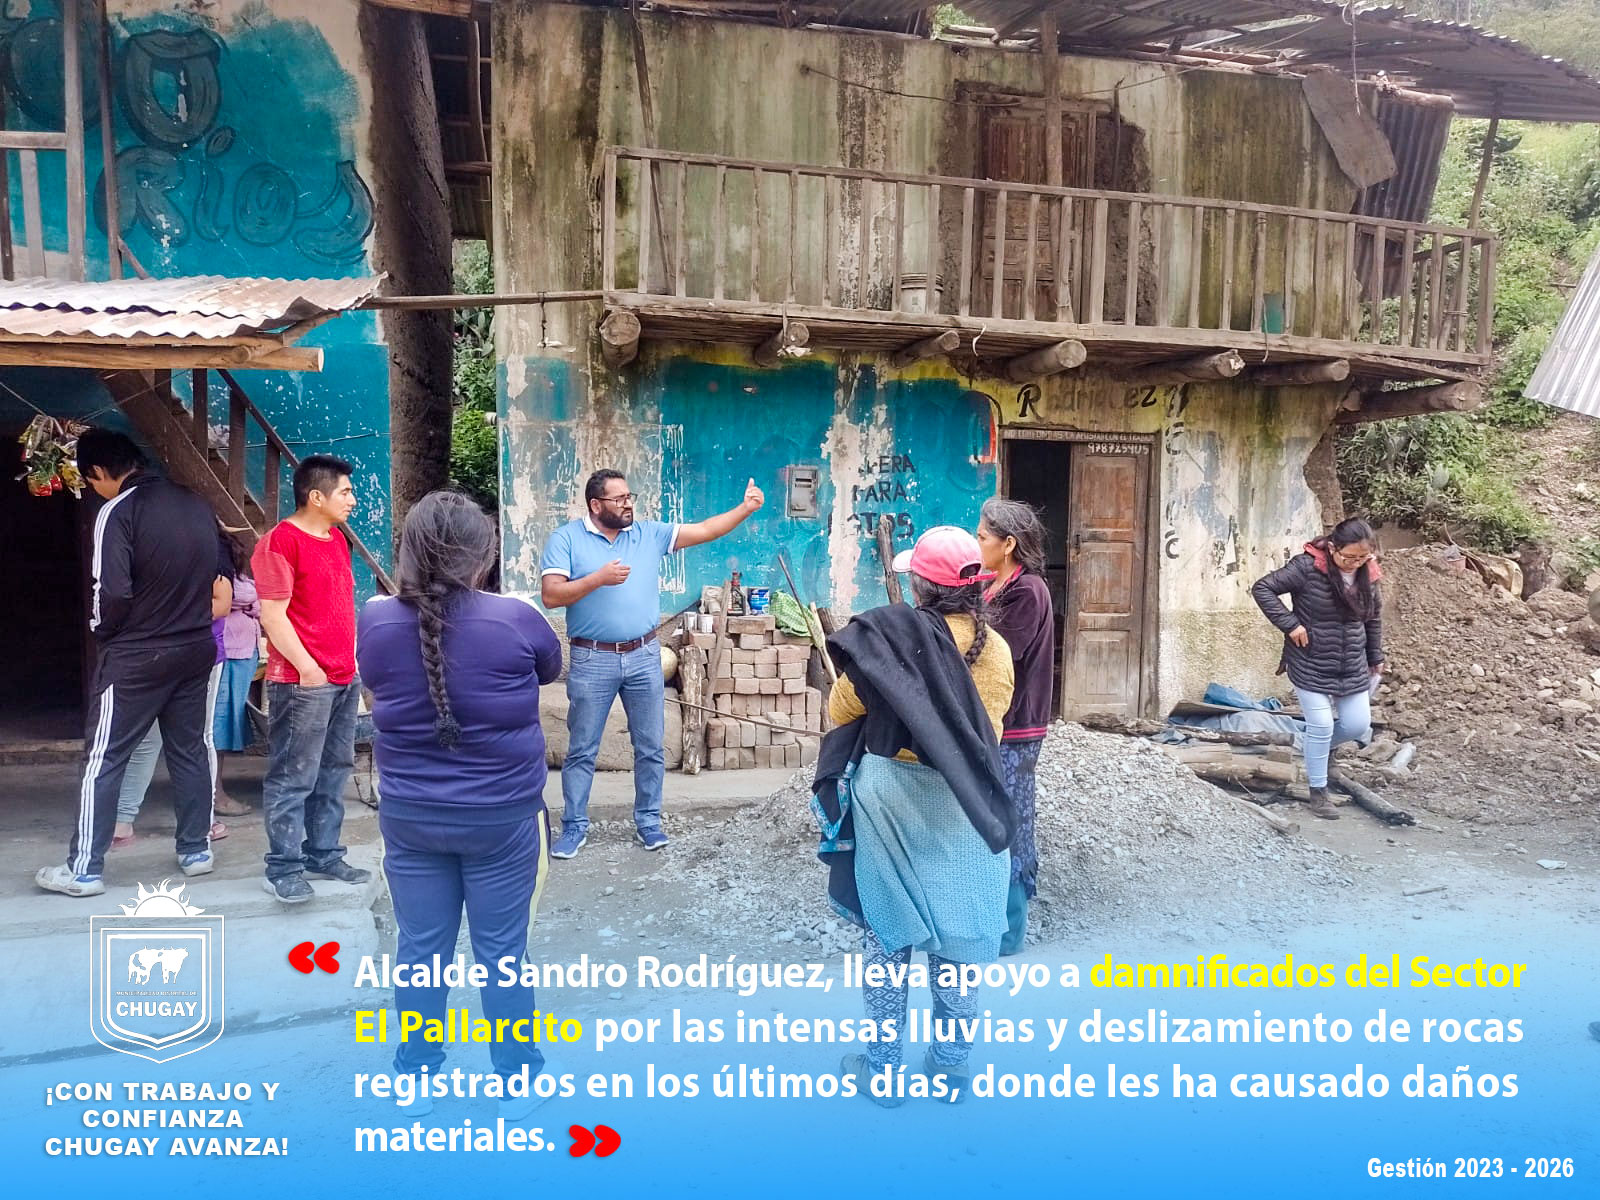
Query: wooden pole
x=930 y=347
x=1409 y=402
x=1225 y=365
x=1333 y=370
x=791 y=337
x=891 y=581
x=108 y=145
x=77 y=191
x=619 y=338
x=1485 y=161
x=1050 y=360
x=1050 y=70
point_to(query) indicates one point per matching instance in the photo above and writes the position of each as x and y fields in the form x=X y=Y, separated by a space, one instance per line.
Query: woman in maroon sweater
x=1012 y=542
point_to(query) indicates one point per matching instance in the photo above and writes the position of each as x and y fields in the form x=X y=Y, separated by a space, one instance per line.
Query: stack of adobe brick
x=761 y=684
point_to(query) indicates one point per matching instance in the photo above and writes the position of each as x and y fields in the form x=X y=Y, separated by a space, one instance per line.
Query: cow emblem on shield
x=155 y=978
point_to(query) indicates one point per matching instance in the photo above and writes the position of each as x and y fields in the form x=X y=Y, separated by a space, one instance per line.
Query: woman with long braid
x=455 y=675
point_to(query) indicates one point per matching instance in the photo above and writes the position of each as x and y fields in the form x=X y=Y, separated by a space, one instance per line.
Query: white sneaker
x=420 y=1106
x=61 y=879
x=519 y=1108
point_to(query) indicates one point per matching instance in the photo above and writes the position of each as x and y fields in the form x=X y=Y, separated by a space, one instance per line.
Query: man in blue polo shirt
x=606 y=571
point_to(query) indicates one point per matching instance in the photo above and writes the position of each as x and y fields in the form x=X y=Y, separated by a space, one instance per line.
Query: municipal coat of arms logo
x=155 y=978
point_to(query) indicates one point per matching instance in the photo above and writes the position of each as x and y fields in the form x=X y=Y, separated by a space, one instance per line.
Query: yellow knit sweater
x=992 y=673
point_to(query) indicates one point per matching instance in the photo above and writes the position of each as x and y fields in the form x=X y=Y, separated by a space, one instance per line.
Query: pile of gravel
x=1131 y=844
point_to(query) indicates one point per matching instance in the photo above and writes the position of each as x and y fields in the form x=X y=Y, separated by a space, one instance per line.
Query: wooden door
x=1103 y=648
x=1013 y=151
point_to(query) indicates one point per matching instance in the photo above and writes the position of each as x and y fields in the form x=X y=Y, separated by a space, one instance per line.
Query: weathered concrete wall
x=241 y=133
x=690 y=423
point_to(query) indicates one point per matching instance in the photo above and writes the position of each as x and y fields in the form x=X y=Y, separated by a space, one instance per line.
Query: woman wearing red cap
x=912 y=801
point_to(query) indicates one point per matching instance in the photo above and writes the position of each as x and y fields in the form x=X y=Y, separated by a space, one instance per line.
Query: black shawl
x=919 y=696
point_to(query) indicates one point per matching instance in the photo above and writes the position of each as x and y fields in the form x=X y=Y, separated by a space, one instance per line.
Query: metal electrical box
x=803 y=491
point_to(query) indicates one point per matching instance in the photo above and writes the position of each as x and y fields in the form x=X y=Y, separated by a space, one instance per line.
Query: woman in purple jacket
x=455 y=674
x=1012 y=542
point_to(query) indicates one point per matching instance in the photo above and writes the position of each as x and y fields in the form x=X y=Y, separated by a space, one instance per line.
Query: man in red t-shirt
x=308 y=612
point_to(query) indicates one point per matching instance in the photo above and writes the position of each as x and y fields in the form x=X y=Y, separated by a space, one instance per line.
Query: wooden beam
x=119 y=357
x=461 y=9
x=930 y=347
x=1225 y=365
x=1411 y=402
x=1047 y=360
x=619 y=338
x=791 y=337
x=1332 y=370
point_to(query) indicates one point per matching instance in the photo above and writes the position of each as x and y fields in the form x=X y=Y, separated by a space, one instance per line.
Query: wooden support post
x=200 y=409
x=1225 y=365
x=791 y=337
x=1331 y=370
x=236 y=444
x=619 y=338
x=72 y=123
x=1484 y=164
x=692 y=687
x=1048 y=360
x=929 y=347
x=891 y=581
x=272 y=484
x=1464 y=396
x=108 y=142
x=1050 y=78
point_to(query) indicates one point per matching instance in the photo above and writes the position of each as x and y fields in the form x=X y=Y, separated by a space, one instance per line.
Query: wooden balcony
x=786 y=256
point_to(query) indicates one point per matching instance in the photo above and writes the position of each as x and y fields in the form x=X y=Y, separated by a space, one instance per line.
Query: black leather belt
x=613 y=647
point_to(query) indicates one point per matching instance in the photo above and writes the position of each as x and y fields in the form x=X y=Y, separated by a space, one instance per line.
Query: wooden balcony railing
x=1114 y=265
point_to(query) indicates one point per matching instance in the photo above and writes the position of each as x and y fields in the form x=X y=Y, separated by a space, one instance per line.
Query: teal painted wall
x=238 y=136
x=690 y=429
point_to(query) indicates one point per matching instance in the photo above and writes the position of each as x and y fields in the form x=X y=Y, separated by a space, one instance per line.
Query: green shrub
x=1508 y=407
x=1446 y=476
x=474 y=441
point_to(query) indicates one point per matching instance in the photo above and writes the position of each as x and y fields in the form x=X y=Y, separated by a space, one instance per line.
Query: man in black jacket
x=155 y=557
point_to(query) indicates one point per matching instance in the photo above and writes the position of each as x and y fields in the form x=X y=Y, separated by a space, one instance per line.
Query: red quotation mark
x=306 y=955
x=602 y=1141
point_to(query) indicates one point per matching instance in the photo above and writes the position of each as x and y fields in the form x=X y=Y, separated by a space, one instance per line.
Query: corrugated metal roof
x=194 y=306
x=1486 y=73
x=1568 y=375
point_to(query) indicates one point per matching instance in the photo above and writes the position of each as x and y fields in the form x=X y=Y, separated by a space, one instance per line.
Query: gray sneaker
x=61 y=879
x=340 y=870
x=291 y=889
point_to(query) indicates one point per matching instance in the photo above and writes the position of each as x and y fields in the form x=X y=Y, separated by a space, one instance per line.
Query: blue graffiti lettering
x=263 y=204
x=182 y=66
x=348 y=208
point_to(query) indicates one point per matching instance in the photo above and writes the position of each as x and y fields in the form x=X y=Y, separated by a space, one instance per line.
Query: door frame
x=1150 y=626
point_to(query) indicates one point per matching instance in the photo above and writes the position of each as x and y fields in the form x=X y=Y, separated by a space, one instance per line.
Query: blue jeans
x=434 y=869
x=1331 y=720
x=310 y=755
x=593 y=681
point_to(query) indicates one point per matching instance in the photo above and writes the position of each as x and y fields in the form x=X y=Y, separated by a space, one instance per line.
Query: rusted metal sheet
x=1417 y=126
x=1568 y=375
x=204 y=306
